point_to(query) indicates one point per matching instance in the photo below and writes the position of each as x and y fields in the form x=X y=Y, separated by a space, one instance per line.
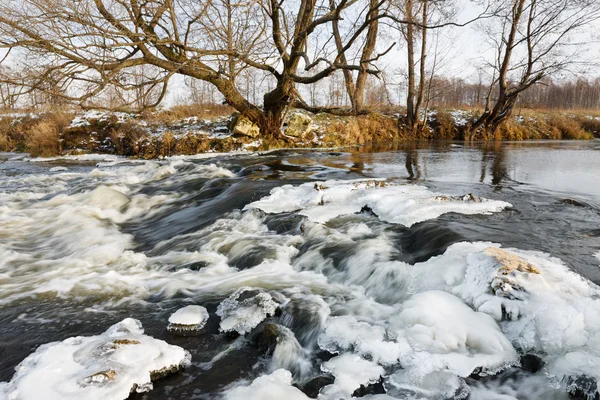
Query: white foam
x=244 y=315
x=107 y=366
x=395 y=203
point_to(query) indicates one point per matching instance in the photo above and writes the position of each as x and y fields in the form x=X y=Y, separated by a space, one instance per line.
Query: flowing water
x=85 y=243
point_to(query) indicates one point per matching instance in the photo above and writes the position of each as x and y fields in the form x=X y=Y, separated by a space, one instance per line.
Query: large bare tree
x=79 y=48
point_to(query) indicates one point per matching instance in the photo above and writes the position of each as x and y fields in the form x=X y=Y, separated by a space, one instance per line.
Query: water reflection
x=493 y=153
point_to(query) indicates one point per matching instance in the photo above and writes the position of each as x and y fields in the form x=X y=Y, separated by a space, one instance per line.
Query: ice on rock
x=189 y=318
x=447 y=336
x=345 y=333
x=394 y=203
x=245 y=309
x=350 y=371
x=106 y=197
x=276 y=386
x=104 y=367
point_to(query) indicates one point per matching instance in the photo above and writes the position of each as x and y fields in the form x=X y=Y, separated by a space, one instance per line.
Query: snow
x=243 y=315
x=276 y=386
x=395 y=203
x=191 y=317
x=461 y=117
x=104 y=367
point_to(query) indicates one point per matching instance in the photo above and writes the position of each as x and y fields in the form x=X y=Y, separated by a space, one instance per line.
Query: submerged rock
x=312 y=387
x=245 y=309
x=104 y=367
x=189 y=319
x=242 y=126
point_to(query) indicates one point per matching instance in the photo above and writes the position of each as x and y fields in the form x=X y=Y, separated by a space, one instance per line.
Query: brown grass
x=180 y=112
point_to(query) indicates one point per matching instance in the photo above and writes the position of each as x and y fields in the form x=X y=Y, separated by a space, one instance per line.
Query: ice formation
x=245 y=309
x=350 y=371
x=108 y=366
x=394 y=203
x=276 y=386
x=189 y=318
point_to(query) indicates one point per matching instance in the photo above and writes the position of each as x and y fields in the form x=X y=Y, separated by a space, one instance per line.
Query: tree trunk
x=410 y=97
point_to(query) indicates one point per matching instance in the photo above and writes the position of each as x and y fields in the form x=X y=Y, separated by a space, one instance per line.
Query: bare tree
x=531 y=38
x=85 y=46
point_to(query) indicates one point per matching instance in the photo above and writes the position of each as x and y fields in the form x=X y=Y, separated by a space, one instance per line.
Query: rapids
x=370 y=272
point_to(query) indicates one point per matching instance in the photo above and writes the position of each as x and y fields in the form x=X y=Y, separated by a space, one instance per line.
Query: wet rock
x=469 y=197
x=583 y=388
x=242 y=126
x=371 y=388
x=573 y=202
x=265 y=337
x=305 y=315
x=531 y=363
x=298 y=125
x=312 y=387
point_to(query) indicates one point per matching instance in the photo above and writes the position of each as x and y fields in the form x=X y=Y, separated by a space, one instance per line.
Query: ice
x=276 y=386
x=104 y=367
x=447 y=335
x=350 y=371
x=245 y=309
x=395 y=203
x=191 y=317
x=346 y=333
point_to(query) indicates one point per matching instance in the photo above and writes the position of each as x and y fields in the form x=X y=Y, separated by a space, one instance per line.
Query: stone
x=242 y=126
x=312 y=387
x=298 y=125
x=510 y=262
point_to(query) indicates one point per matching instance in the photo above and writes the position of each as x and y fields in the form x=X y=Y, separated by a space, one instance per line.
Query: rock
x=242 y=126
x=188 y=320
x=509 y=266
x=266 y=338
x=531 y=363
x=312 y=387
x=371 y=388
x=510 y=262
x=298 y=125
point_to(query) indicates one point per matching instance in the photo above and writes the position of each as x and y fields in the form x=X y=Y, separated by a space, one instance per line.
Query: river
x=376 y=253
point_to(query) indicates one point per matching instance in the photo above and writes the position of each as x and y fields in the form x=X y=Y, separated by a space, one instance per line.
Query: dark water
x=554 y=188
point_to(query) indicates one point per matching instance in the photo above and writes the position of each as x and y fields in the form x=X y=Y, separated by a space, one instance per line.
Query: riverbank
x=187 y=130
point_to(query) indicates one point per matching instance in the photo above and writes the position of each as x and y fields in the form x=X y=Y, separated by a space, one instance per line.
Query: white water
x=424 y=327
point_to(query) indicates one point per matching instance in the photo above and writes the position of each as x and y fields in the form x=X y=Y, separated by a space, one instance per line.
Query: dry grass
x=177 y=113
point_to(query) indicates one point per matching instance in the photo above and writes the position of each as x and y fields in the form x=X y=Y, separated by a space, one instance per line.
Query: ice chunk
x=189 y=318
x=395 y=203
x=446 y=335
x=276 y=386
x=104 y=367
x=245 y=309
x=350 y=371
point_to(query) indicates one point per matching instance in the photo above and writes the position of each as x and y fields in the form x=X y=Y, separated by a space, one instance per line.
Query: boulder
x=242 y=126
x=298 y=125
